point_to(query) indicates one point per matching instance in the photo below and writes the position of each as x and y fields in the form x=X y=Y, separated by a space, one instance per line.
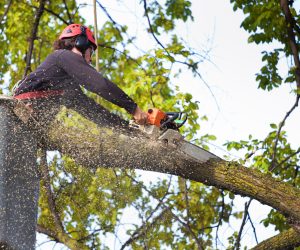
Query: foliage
x=174 y=213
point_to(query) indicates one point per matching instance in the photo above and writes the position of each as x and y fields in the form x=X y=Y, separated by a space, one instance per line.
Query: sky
x=243 y=109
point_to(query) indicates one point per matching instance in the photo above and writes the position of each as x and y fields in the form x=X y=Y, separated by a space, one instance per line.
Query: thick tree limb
x=93 y=147
x=283 y=241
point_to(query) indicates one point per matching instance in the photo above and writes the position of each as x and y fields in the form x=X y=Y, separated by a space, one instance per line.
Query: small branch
x=273 y=163
x=192 y=66
x=237 y=244
x=51 y=12
x=68 y=12
x=253 y=227
x=198 y=243
x=220 y=218
x=289 y=157
x=5 y=14
x=50 y=196
x=107 y=14
x=33 y=36
x=151 y=29
x=291 y=35
x=47 y=231
x=141 y=230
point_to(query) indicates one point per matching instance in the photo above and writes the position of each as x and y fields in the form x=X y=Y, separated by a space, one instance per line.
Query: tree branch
x=291 y=23
x=5 y=14
x=33 y=36
x=141 y=230
x=273 y=163
x=283 y=241
x=192 y=66
x=107 y=14
x=104 y=150
x=51 y=12
x=47 y=231
x=47 y=185
x=68 y=12
x=237 y=244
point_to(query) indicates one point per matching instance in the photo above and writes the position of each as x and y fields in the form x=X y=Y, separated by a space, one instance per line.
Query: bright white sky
x=244 y=109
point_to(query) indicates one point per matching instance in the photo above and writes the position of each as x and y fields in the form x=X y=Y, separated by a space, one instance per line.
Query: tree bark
x=283 y=241
x=92 y=146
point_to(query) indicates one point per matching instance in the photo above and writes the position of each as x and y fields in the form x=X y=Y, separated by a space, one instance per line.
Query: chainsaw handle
x=172 y=116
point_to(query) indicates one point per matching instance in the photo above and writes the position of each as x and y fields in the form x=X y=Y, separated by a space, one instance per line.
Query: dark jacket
x=66 y=70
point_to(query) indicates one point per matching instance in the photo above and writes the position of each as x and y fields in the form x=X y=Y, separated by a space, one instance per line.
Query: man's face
x=88 y=55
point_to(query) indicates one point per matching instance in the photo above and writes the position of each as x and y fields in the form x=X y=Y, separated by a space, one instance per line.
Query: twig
x=141 y=230
x=253 y=227
x=50 y=196
x=273 y=163
x=289 y=157
x=68 y=12
x=51 y=12
x=238 y=240
x=193 y=66
x=178 y=219
x=107 y=14
x=220 y=218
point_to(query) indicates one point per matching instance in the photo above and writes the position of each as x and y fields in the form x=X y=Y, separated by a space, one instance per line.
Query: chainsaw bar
x=174 y=139
x=196 y=153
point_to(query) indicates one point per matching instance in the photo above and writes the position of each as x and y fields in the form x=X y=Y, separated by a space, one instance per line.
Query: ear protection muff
x=82 y=42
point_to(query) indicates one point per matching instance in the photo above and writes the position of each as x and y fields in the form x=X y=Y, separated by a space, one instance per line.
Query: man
x=58 y=81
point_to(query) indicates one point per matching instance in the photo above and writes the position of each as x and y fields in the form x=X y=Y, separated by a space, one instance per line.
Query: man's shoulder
x=60 y=52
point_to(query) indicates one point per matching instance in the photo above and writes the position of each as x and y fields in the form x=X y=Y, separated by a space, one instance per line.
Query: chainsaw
x=164 y=127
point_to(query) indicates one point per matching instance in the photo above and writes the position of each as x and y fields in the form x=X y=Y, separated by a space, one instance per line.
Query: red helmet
x=75 y=30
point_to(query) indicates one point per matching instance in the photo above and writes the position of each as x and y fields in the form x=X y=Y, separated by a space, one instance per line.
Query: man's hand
x=140 y=116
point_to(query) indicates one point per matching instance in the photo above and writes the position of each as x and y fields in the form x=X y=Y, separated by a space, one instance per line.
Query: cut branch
x=94 y=148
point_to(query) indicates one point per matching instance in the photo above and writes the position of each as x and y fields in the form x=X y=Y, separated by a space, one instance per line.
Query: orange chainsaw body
x=155 y=116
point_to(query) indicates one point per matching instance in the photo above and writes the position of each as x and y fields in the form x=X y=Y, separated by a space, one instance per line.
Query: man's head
x=77 y=37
